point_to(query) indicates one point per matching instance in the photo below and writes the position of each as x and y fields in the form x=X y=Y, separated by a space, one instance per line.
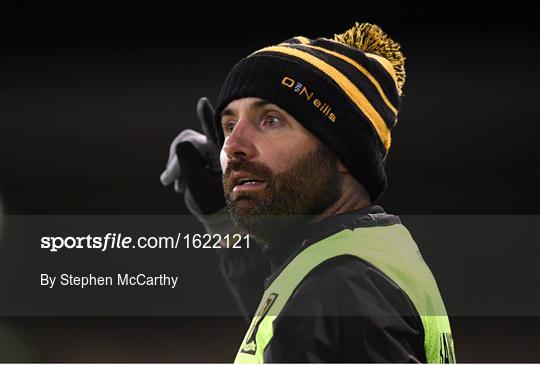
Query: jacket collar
x=282 y=251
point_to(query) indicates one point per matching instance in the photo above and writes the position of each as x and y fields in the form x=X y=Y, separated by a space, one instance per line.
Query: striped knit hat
x=346 y=91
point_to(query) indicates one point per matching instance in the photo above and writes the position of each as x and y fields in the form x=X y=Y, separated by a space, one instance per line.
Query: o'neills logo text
x=300 y=89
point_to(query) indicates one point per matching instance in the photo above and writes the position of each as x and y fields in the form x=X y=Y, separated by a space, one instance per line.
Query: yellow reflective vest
x=393 y=252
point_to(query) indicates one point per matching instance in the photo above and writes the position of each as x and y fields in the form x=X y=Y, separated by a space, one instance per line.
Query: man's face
x=295 y=177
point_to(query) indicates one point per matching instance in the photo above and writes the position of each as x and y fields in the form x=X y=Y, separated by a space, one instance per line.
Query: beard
x=289 y=199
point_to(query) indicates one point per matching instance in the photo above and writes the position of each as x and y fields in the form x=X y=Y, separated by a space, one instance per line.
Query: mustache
x=257 y=169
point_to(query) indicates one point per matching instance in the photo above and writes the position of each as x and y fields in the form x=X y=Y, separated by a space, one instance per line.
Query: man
x=303 y=130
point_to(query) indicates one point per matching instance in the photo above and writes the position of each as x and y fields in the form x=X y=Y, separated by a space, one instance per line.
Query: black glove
x=194 y=165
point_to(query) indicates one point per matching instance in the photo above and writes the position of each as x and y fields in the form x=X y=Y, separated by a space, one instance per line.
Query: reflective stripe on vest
x=391 y=250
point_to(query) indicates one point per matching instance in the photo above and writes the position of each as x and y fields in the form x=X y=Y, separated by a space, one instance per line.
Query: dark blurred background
x=91 y=97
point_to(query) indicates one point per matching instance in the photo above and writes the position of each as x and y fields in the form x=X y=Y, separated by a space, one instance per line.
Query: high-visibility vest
x=392 y=251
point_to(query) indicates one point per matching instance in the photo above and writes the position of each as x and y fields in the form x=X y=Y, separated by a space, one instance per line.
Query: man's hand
x=194 y=168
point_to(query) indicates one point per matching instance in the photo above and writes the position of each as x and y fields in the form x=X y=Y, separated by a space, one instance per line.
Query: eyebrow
x=256 y=105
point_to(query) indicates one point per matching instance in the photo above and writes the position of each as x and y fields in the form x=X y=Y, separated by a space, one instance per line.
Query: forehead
x=251 y=104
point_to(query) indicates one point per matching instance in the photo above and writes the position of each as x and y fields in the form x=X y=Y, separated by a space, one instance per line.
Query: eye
x=228 y=127
x=272 y=121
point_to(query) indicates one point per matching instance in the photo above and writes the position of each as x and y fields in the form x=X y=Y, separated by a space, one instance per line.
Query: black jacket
x=345 y=310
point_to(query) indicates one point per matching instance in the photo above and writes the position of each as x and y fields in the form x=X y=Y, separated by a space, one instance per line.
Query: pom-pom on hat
x=346 y=91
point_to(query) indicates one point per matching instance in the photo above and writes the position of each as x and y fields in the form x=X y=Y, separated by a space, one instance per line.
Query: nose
x=239 y=144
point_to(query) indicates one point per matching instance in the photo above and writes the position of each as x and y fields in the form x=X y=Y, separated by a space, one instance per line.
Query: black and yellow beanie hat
x=346 y=91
